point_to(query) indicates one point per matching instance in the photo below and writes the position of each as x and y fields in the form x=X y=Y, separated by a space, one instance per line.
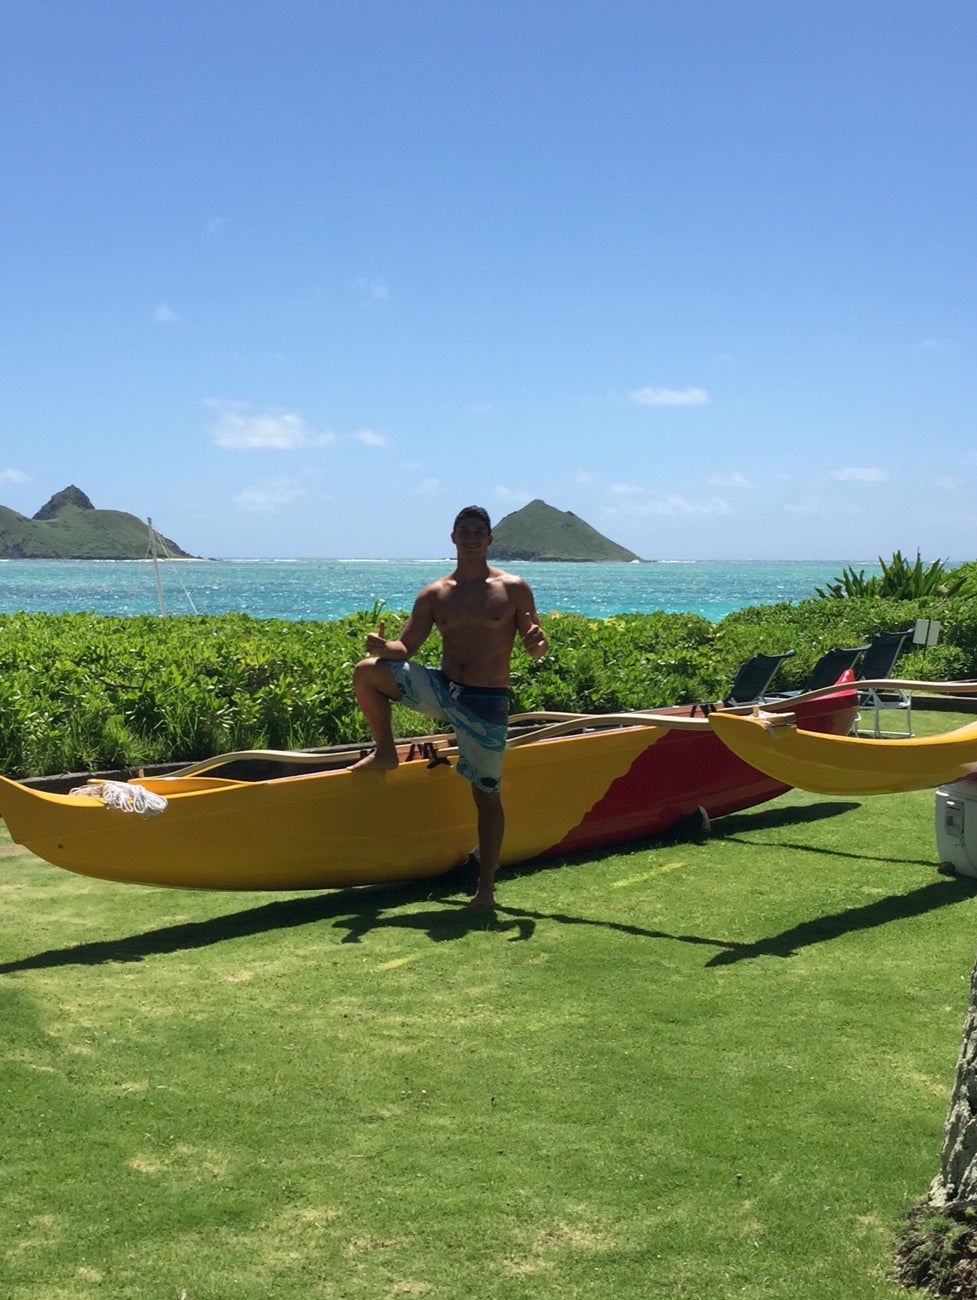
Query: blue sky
x=301 y=278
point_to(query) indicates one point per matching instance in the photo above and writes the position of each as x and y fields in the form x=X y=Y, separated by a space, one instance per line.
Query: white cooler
x=956 y=825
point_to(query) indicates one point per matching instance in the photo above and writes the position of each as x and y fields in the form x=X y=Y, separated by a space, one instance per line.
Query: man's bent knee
x=376 y=673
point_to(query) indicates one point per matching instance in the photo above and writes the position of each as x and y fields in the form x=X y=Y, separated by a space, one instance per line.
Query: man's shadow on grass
x=361 y=910
x=439 y=924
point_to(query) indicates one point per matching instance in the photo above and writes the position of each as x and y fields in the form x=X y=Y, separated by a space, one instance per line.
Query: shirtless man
x=478 y=610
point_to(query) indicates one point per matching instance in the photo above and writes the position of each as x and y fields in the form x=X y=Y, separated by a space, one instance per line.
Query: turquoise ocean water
x=328 y=589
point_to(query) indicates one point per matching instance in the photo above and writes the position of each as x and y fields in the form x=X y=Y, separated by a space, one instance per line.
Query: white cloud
x=948 y=482
x=969 y=458
x=803 y=506
x=371 y=288
x=370 y=438
x=429 y=487
x=163 y=314
x=514 y=496
x=669 y=397
x=672 y=505
x=625 y=489
x=734 y=480
x=865 y=474
x=936 y=345
x=235 y=428
x=216 y=226
x=13 y=476
x=266 y=500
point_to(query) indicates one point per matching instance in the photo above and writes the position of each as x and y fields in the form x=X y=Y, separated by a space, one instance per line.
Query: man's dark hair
x=473 y=512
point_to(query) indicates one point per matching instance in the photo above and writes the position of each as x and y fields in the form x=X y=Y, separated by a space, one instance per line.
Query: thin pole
x=159 y=585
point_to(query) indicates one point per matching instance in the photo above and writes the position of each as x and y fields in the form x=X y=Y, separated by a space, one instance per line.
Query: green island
x=541 y=532
x=69 y=527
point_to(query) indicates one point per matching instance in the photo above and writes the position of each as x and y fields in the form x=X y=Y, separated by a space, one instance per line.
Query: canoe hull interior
x=338 y=828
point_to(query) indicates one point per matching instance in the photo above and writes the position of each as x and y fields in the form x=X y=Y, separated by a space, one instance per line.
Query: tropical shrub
x=814 y=626
x=82 y=692
x=967 y=573
x=630 y=661
x=899 y=580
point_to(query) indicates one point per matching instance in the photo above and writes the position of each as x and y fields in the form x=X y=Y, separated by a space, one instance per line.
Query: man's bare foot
x=376 y=762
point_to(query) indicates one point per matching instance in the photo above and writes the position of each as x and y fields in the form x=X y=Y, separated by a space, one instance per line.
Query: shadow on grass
x=439 y=925
x=897 y=907
x=363 y=910
x=737 y=825
x=281 y=915
x=785 y=815
x=358 y=912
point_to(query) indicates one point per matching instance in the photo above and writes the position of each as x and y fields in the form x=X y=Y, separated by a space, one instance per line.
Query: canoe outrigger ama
x=572 y=782
x=782 y=747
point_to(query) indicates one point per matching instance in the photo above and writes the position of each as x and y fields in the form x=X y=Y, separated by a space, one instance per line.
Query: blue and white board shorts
x=479 y=716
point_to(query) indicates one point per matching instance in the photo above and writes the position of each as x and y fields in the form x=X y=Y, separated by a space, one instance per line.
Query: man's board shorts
x=479 y=716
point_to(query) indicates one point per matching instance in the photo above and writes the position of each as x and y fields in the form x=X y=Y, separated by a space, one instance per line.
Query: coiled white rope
x=123 y=796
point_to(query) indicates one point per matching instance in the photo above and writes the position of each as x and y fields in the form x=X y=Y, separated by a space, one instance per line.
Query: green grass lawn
x=705 y=1071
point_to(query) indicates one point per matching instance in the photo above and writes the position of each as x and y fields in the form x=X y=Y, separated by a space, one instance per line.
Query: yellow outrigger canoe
x=779 y=745
x=571 y=783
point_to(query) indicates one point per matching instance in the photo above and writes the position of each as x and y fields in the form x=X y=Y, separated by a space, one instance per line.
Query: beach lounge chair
x=879 y=661
x=828 y=669
x=750 y=684
x=753 y=678
x=831 y=665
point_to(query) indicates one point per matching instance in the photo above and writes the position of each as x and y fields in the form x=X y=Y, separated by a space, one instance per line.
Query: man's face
x=471 y=536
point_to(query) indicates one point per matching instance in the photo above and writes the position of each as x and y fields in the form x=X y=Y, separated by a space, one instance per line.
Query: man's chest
x=486 y=607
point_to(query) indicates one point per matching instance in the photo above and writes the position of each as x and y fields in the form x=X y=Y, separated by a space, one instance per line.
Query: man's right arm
x=412 y=636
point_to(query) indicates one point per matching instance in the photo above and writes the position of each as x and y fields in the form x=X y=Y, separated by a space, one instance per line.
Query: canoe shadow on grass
x=360 y=911
x=344 y=906
x=357 y=910
x=759 y=819
x=896 y=907
x=735 y=825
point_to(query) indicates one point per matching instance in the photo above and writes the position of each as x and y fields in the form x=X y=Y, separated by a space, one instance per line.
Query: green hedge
x=82 y=692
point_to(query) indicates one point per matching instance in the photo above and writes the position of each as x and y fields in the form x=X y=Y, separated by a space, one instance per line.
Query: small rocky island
x=69 y=527
x=541 y=532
